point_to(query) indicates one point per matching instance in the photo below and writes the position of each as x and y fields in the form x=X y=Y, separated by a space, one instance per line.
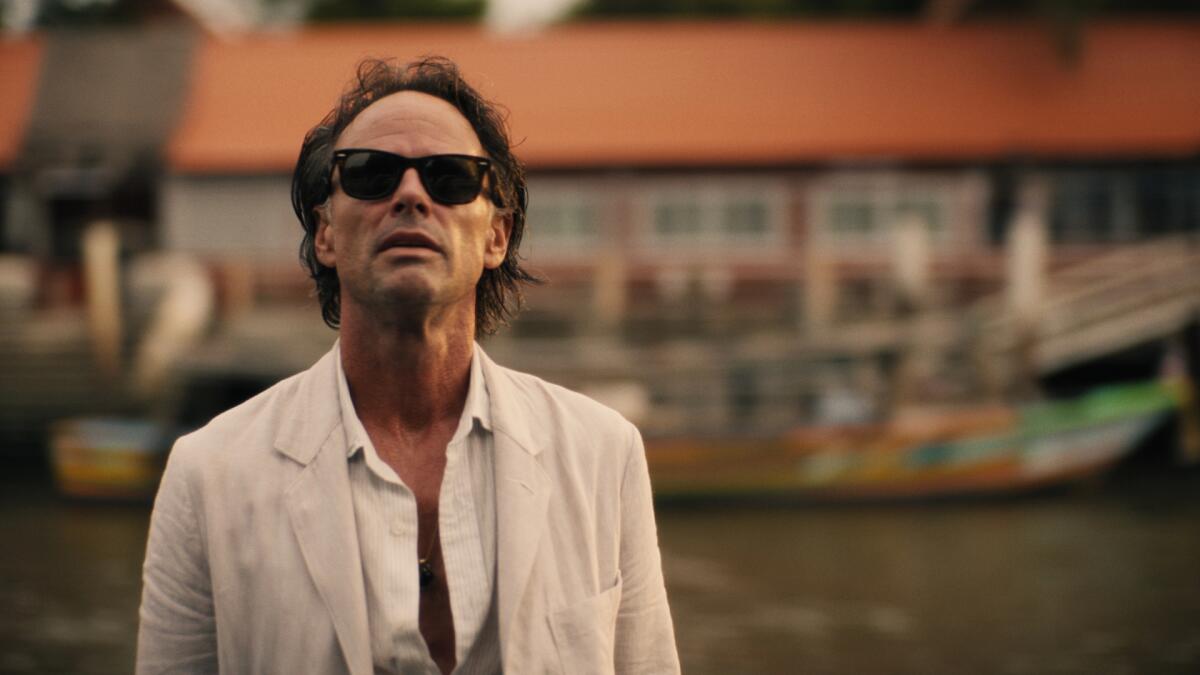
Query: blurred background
x=903 y=294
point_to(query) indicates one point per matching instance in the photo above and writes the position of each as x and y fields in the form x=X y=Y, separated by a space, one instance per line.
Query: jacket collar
x=317 y=410
x=510 y=405
x=314 y=414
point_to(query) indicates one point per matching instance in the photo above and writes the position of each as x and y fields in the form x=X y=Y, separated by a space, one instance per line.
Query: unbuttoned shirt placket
x=385 y=511
x=468 y=574
x=386 y=517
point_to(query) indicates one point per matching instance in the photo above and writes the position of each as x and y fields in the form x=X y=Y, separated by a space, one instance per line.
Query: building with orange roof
x=20 y=62
x=731 y=94
x=714 y=161
x=715 y=184
x=96 y=115
x=703 y=160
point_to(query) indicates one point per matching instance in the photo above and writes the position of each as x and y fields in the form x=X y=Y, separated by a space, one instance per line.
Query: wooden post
x=1175 y=370
x=238 y=287
x=910 y=270
x=101 y=268
x=820 y=290
x=180 y=318
x=1025 y=278
x=911 y=261
x=608 y=293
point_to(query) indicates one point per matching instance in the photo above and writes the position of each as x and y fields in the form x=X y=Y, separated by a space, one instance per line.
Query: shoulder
x=255 y=415
x=245 y=435
x=557 y=405
x=571 y=434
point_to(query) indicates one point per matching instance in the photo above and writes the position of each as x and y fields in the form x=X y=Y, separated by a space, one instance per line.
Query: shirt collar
x=477 y=407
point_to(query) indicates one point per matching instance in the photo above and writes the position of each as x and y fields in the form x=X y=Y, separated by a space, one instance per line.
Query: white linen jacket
x=252 y=564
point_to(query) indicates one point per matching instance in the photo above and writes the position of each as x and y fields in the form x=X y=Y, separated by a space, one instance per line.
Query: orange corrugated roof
x=20 y=61
x=613 y=94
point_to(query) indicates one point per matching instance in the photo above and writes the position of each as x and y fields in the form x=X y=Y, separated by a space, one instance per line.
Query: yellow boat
x=108 y=458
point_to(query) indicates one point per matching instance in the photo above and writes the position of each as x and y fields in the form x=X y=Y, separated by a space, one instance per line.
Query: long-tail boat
x=977 y=450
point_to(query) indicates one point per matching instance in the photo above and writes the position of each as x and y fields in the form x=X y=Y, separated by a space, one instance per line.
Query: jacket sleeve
x=645 y=636
x=177 y=630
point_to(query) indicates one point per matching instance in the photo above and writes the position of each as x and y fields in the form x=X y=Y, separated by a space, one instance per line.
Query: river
x=1102 y=579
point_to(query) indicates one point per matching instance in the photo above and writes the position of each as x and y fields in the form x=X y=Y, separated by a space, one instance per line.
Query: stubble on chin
x=394 y=304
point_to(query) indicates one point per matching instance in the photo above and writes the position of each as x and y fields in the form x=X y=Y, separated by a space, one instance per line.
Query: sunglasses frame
x=421 y=164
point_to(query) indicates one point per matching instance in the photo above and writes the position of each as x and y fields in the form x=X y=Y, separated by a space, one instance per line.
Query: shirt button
x=398 y=527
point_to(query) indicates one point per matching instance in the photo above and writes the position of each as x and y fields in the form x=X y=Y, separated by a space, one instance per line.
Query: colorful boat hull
x=975 y=451
x=108 y=458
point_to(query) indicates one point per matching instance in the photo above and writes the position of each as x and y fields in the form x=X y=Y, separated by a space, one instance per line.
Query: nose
x=410 y=194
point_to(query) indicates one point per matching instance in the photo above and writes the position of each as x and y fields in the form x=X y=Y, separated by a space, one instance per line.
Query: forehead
x=411 y=123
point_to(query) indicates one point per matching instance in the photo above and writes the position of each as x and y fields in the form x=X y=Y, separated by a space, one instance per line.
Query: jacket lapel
x=320 y=506
x=522 y=494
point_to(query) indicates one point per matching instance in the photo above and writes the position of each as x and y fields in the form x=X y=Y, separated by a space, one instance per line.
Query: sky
x=525 y=14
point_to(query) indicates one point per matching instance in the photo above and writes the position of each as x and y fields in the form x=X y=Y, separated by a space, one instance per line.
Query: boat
x=108 y=458
x=928 y=453
x=122 y=458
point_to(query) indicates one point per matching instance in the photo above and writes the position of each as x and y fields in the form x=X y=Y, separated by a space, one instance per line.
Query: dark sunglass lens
x=452 y=180
x=370 y=175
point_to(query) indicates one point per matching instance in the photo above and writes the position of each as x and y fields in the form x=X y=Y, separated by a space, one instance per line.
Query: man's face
x=405 y=249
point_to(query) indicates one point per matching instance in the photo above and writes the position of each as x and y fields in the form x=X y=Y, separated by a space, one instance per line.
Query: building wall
x=676 y=251
x=239 y=217
x=688 y=252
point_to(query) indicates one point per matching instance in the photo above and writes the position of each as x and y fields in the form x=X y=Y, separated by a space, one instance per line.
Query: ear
x=323 y=241
x=496 y=248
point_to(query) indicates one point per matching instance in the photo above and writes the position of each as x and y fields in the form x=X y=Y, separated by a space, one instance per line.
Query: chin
x=404 y=297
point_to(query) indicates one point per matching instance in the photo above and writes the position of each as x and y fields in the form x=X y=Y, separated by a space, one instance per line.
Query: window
x=927 y=208
x=852 y=216
x=865 y=216
x=677 y=219
x=1100 y=205
x=714 y=214
x=746 y=218
x=1081 y=207
x=561 y=224
x=568 y=221
x=857 y=210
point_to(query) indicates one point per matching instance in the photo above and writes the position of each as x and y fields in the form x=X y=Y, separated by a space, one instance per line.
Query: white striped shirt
x=385 y=513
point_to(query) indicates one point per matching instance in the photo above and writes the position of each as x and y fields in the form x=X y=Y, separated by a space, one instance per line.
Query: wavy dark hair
x=498 y=295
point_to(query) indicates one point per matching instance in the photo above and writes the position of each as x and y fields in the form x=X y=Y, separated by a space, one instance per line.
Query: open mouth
x=409 y=240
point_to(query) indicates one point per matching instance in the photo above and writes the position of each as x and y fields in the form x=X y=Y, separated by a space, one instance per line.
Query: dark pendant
x=424 y=573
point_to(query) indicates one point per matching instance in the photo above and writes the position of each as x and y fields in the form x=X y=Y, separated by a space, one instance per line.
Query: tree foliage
x=748 y=8
x=69 y=13
x=337 y=10
x=1056 y=10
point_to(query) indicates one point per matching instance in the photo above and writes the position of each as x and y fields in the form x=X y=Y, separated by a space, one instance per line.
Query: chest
x=419 y=461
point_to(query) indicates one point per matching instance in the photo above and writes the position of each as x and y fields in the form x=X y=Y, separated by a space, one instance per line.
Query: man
x=406 y=505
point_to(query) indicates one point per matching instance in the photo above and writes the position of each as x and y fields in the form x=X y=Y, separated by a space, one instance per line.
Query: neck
x=407 y=377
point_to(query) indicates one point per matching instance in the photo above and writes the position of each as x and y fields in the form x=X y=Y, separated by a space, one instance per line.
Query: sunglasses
x=375 y=174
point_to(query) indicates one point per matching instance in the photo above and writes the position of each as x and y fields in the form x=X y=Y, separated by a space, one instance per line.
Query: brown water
x=1103 y=580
